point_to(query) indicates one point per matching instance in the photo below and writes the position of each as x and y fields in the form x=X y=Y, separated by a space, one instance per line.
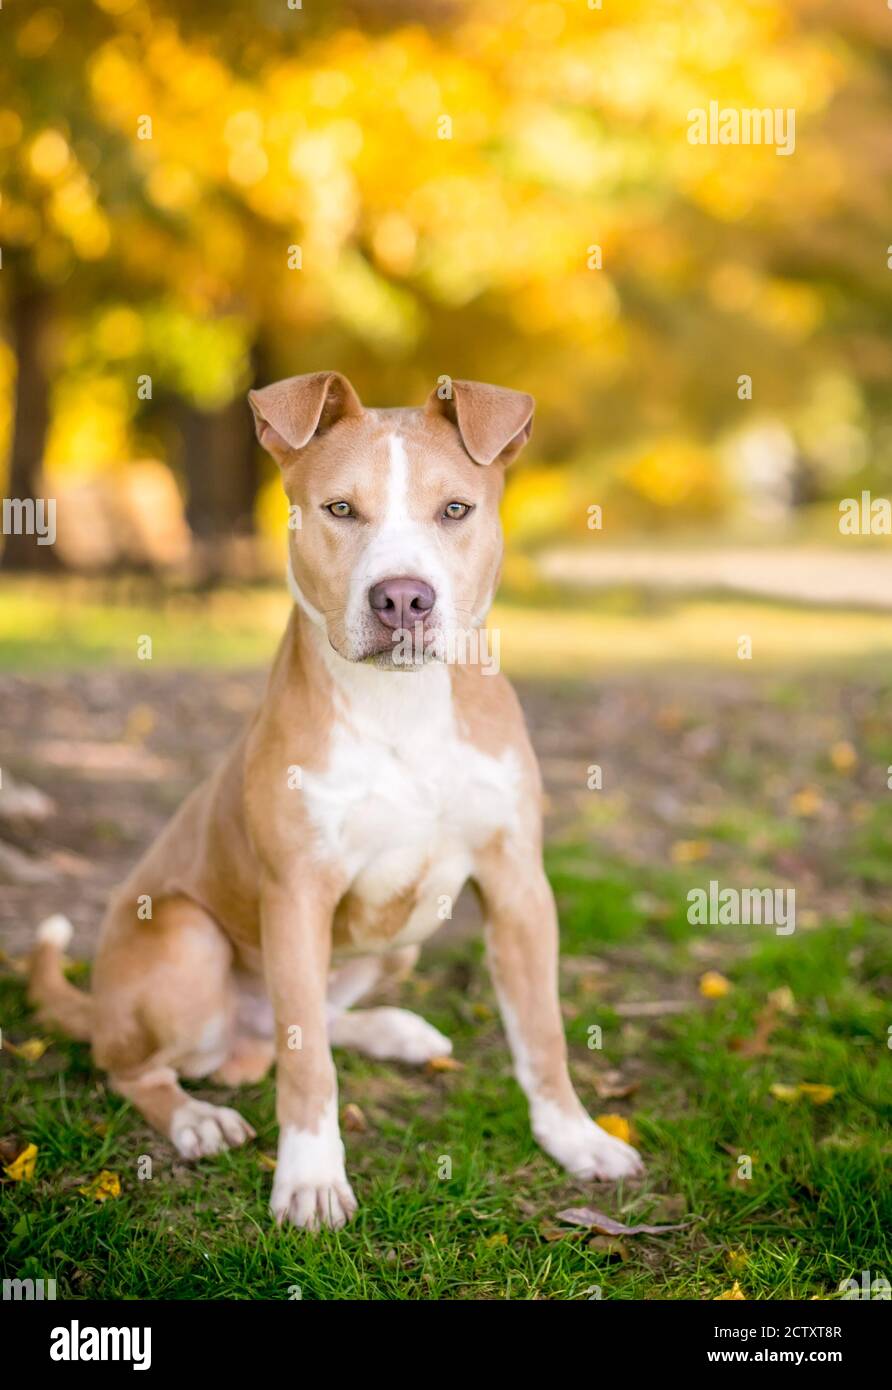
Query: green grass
x=817 y=1209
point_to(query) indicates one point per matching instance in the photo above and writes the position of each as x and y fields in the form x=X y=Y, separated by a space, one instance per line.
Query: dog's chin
x=389 y=659
x=385 y=655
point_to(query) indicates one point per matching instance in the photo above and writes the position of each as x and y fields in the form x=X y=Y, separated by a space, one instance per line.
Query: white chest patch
x=405 y=802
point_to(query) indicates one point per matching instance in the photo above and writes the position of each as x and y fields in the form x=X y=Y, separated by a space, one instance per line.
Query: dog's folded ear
x=492 y=421
x=289 y=413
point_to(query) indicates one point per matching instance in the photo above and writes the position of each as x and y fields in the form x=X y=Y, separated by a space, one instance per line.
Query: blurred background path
x=807 y=574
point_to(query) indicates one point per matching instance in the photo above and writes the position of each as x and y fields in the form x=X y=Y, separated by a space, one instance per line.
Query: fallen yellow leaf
x=812 y=1091
x=714 y=986
x=267 y=1161
x=493 y=1241
x=807 y=802
x=103 y=1186
x=22 y=1168
x=670 y=718
x=689 y=851
x=782 y=998
x=817 y=1094
x=788 y=1094
x=617 y=1125
x=737 y=1261
x=33 y=1049
x=20 y=964
x=733 y=1293
x=843 y=756
x=140 y=722
x=444 y=1064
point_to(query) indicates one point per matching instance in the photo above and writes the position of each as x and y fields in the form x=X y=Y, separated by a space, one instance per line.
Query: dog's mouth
x=400 y=650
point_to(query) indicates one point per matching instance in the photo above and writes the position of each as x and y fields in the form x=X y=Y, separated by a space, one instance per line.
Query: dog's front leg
x=310 y=1188
x=522 y=951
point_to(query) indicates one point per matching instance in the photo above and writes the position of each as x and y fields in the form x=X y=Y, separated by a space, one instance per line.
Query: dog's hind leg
x=252 y=1048
x=252 y=1051
x=164 y=1004
x=385 y=1033
x=196 y=1128
x=364 y=976
x=249 y=1060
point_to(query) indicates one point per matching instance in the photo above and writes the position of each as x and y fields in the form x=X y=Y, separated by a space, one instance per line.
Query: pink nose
x=401 y=603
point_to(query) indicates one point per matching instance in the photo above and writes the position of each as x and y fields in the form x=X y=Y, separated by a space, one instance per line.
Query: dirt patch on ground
x=769 y=777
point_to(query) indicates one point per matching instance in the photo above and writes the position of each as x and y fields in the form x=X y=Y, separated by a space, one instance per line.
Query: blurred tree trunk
x=221 y=465
x=222 y=478
x=30 y=318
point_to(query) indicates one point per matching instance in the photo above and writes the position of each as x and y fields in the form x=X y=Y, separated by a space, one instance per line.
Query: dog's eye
x=454 y=511
x=339 y=508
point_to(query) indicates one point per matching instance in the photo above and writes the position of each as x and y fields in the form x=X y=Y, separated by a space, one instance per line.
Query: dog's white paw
x=390 y=1035
x=312 y=1207
x=584 y=1148
x=199 y=1129
x=310 y=1187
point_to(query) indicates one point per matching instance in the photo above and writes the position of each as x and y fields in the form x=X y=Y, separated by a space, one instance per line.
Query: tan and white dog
x=308 y=869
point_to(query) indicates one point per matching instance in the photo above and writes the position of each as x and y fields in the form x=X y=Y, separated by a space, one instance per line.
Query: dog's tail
x=59 y=1003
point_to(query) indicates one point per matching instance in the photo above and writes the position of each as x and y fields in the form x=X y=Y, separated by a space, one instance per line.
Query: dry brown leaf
x=757 y=1045
x=844 y=1141
x=670 y=717
x=10 y=1148
x=612 y=1087
x=353 y=1119
x=595 y=1220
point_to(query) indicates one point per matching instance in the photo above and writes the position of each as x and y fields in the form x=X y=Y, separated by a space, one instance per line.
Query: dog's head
x=395 y=543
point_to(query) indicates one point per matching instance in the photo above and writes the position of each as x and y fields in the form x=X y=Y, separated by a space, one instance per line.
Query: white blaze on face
x=400 y=546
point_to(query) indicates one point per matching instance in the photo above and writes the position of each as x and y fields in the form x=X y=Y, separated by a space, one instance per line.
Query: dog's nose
x=401 y=603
